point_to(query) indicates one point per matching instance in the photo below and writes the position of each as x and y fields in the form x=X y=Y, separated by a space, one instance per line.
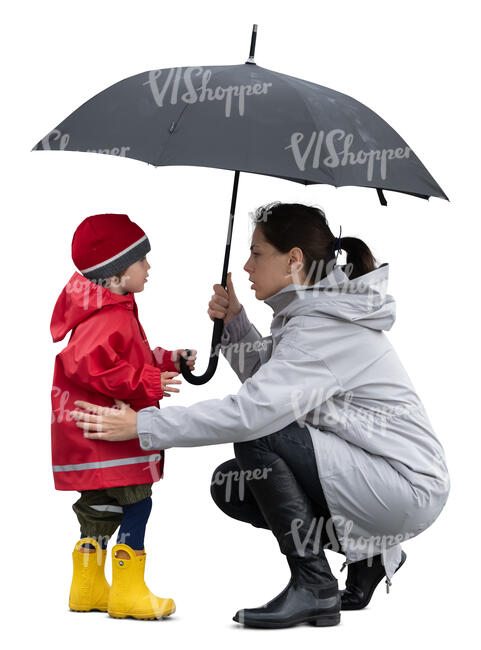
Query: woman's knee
x=226 y=471
x=231 y=494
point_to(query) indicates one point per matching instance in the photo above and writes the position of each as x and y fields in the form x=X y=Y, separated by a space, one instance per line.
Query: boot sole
x=366 y=601
x=87 y=609
x=137 y=617
x=323 y=620
x=140 y=617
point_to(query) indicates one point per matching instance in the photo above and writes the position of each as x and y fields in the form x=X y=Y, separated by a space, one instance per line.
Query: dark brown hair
x=286 y=225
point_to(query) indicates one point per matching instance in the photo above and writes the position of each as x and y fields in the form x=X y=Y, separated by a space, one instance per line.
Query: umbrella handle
x=213 y=358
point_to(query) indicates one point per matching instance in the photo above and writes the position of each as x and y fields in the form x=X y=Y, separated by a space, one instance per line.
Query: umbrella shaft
x=230 y=229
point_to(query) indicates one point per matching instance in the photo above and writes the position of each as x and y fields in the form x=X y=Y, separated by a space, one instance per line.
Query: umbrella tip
x=253 y=45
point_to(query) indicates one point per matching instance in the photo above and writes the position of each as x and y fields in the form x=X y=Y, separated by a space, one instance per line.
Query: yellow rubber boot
x=129 y=595
x=89 y=589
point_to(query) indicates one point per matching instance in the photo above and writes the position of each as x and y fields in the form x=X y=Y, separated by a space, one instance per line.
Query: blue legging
x=132 y=528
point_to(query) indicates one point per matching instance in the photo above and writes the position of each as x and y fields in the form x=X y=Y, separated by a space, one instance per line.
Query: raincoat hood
x=79 y=299
x=363 y=300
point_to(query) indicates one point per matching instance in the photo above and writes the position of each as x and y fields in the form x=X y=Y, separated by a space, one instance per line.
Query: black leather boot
x=312 y=594
x=362 y=579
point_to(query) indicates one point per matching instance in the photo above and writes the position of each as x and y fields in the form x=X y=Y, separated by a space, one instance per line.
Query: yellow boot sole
x=147 y=616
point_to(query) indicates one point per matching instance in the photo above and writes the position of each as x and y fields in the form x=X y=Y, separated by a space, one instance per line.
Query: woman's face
x=271 y=271
x=133 y=279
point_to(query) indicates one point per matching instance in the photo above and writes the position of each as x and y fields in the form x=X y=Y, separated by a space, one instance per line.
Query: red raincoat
x=107 y=356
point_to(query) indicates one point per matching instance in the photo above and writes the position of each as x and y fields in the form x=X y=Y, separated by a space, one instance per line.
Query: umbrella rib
x=287 y=82
x=177 y=120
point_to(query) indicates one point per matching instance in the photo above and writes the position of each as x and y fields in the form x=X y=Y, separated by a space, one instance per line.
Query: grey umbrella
x=244 y=118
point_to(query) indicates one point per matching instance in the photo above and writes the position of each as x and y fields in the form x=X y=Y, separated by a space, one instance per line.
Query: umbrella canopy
x=244 y=118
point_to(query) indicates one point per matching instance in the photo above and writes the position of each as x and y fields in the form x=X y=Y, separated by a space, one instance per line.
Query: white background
x=414 y=64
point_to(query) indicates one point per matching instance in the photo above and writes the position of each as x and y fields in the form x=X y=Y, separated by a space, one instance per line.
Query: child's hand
x=166 y=380
x=190 y=359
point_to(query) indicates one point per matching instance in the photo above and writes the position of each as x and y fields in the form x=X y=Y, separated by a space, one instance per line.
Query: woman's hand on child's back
x=224 y=304
x=166 y=379
x=104 y=423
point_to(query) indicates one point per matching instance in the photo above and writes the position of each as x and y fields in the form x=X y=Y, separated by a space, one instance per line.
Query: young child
x=108 y=358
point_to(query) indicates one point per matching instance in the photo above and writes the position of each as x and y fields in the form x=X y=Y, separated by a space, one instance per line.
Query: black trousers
x=230 y=486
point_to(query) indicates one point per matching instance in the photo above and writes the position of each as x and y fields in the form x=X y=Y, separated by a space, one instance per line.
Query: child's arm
x=93 y=359
x=163 y=359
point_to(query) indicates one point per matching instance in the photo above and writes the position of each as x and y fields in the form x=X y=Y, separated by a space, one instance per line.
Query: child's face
x=133 y=279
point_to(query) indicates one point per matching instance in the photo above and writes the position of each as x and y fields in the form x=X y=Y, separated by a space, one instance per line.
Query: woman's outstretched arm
x=290 y=385
x=286 y=388
x=243 y=346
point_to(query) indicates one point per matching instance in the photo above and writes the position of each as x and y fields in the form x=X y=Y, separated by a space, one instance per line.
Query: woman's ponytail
x=359 y=258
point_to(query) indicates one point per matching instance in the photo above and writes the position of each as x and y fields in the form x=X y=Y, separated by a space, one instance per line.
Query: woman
x=333 y=446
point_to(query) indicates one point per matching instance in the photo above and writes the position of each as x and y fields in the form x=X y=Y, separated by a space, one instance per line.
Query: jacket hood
x=363 y=300
x=79 y=299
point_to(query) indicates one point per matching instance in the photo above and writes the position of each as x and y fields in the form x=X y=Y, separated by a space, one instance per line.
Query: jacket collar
x=363 y=300
x=280 y=300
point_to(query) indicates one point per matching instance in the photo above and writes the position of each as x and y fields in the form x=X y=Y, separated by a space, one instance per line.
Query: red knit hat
x=105 y=244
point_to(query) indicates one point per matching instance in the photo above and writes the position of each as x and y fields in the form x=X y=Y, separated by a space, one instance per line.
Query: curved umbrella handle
x=213 y=358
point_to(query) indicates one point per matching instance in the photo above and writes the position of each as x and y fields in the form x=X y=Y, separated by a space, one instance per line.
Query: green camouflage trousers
x=100 y=511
